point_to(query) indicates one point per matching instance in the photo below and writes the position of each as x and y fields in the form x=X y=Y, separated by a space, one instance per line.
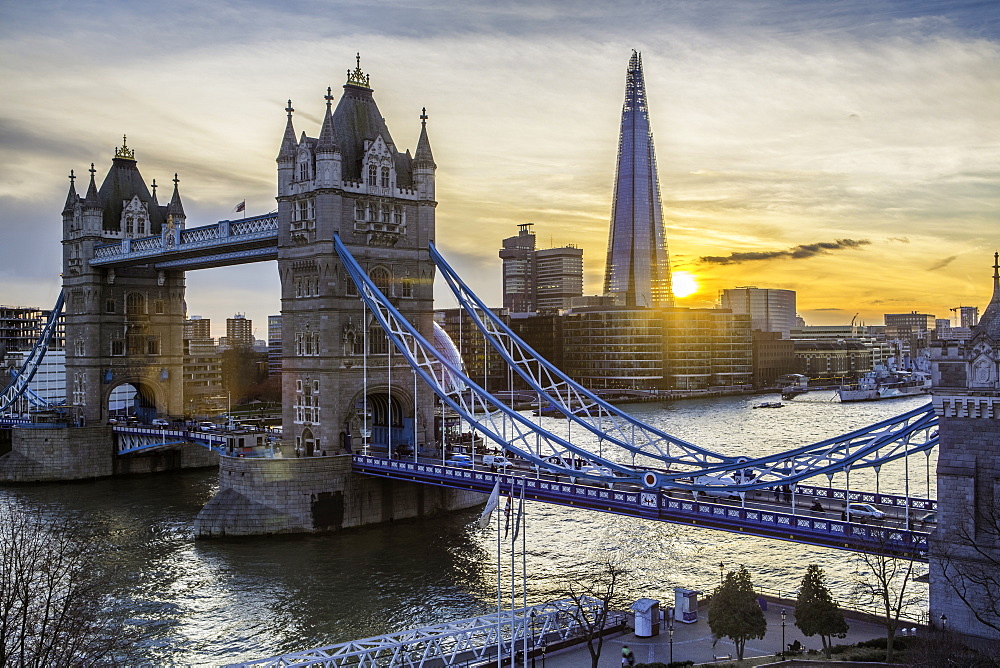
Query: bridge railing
x=216 y=234
x=461 y=642
x=660 y=505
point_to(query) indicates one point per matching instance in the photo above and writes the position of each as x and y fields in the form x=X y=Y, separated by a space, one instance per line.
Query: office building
x=770 y=310
x=273 y=345
x=539 y=279
x=637 y=272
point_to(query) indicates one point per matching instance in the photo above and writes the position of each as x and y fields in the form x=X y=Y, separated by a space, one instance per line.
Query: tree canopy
x=816 y=613
x=734 y=613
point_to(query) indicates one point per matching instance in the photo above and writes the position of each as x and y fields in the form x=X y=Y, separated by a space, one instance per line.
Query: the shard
x=638 y=267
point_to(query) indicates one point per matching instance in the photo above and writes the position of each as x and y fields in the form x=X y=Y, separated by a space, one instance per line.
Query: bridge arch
x=389 y=418
x=150 y=397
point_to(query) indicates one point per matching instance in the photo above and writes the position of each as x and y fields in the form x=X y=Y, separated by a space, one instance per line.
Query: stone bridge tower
x=965 y=549
x=353 y=181
x=122 y=325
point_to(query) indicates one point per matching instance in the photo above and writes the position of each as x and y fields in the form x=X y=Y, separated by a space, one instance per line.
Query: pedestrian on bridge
x=628 y=656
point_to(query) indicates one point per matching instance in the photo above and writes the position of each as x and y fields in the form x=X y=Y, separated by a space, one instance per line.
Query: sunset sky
x=846 y=150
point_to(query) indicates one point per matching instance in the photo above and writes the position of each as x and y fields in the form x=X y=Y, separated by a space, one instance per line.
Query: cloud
x=796 y=252
x=941 y=264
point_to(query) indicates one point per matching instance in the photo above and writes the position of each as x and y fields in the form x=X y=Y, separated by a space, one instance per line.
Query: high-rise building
x=20 y=327
x=558 y=277
x=273 y=345
x=770 y=310
x=637 y=272
x=518 y=255
x=968 y=316
x=197 y=327
x=539 y=279
x=239 y=331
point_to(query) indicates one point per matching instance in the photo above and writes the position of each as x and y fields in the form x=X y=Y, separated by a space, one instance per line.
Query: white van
x=498 y=461
x=717 y=480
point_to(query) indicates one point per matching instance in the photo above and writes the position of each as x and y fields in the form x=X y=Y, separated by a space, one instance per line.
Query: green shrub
x=840 y=649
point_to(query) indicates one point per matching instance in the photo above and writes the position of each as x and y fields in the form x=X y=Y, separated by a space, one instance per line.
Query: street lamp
x=721 y=567
x=782 y=634
x=532 y=639
x=670 y=632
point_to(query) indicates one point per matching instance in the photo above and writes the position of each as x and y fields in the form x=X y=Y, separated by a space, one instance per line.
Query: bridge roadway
x=759 y=516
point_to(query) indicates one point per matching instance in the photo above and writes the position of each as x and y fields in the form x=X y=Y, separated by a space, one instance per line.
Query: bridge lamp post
x=532 y=638
x=722 y=566
x=782 y=634
x=670 y=632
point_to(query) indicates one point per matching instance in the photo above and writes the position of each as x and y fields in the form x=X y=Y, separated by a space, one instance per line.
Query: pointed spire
x=154 y=202
x=989 y=323
x=327 y=142
x=637 y=270
x=423 y=156
x=92 y=201
x=71 y=197
x=288 y=143
x=175 y=208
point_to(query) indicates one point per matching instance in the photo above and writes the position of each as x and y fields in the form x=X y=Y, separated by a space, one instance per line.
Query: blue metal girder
x=585 y=408
x=17 y=386
x=659 y=505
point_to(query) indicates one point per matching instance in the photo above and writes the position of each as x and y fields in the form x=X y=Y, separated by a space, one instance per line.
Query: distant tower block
x=965 y=548
x=637 y=272
x=354 y=181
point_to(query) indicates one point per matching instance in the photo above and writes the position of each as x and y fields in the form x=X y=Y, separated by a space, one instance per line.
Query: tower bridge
x=353 y=237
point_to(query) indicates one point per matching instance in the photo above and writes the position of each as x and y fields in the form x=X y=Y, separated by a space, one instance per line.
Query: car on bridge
x=462 y=461
x=863 y=511
x=499 y=461
x=159 y=422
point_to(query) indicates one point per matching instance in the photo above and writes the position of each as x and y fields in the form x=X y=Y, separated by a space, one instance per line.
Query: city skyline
x=803 y=150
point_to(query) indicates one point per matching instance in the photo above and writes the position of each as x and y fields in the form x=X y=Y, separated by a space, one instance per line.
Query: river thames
x=221 y=601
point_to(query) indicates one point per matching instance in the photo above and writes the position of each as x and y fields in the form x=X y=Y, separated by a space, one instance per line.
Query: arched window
x=135 y=304
x=382 y=279
x=359 y=211
x=372 y=175
x=397 y=215
x=385 y=177
x=385 y=213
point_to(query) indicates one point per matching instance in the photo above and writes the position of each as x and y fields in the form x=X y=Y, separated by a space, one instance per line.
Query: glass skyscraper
x=638 y=267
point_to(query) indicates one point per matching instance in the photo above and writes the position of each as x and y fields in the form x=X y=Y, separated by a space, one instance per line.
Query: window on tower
x=372 y=176
x=385 y=177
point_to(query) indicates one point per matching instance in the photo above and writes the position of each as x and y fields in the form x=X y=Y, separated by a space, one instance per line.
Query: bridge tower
x=124 y=325
x=353 y=181
x=965 y=549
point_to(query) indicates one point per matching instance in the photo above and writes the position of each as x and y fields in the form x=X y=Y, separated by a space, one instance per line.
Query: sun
x=683 y=284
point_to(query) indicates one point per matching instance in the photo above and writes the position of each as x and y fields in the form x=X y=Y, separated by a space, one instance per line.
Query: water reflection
x=224 y=600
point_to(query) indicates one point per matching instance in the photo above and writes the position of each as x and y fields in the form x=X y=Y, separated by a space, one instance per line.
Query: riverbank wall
x=314 y=495
x=56 y=453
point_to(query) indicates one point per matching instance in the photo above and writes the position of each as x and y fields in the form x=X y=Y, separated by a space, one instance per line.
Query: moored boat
x=886 y=385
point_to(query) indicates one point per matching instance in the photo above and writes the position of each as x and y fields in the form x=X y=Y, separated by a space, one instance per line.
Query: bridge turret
x=328 y=156
x=423 y=163
x=286 y=155
x=965 y=548
x=93 y=213
x=175 y=210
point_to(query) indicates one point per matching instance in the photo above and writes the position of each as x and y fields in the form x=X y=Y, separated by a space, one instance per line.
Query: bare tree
x=968 y=553
x=601 y=581
x=883 y=581
x=54 y=604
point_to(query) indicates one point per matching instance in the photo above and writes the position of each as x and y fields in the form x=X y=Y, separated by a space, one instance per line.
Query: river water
x=220 y=601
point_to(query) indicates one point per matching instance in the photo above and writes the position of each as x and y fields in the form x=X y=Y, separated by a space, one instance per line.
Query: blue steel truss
x=870 y=446
x=19 y=381
x=885 y=441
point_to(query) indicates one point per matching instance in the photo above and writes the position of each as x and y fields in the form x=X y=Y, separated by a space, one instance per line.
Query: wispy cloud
x=941 y=264
x=799 y=252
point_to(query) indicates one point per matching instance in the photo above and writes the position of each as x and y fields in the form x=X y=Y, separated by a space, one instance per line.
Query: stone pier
x=53 y=453
x=314 y=495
